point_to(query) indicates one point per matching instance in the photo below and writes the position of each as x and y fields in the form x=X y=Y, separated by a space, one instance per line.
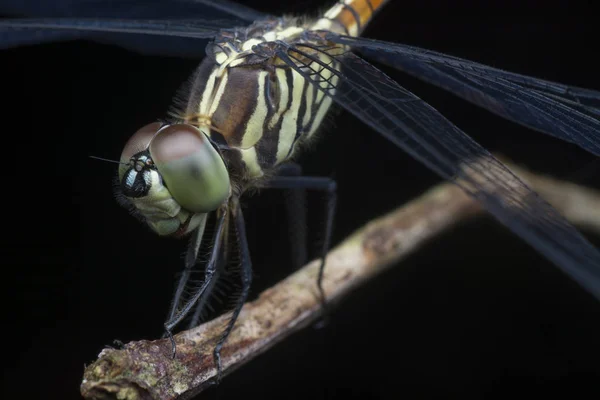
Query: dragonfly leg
x=191 y=258
x=222 y=261
x=246 y=278
x=296 y=215
x=207 y=284
x=203 y=300
x=323 y=184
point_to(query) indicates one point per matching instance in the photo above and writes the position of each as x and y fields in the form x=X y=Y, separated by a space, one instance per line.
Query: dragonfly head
x=172 y=175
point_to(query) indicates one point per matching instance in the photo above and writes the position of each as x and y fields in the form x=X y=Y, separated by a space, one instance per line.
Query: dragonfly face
x=172 y=175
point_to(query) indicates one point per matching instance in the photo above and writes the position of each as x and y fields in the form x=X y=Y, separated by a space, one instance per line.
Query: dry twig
x=145 y=369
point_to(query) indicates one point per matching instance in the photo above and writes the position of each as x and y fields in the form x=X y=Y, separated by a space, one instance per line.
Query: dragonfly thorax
x=172 y=176
x=256 y=106
x=235 y=47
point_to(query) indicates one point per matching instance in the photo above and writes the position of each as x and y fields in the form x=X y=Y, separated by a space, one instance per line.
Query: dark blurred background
x=475 y=313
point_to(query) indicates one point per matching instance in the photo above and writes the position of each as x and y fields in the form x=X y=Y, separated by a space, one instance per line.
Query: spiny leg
x=296 y=215
x=208 y=277
x=330 y=206
x=222 y=261
x=191 y=258
x=246 y=278
x=203 y=300
x=328 y=186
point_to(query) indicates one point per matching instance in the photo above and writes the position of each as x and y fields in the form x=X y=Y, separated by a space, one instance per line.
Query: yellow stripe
x=249 y=43
x=207 y=94
x=324 y=24
x=334 y=11
x=236 y=62
x=309 y=104
x=254 y=127
x=284 y=93
x=220 y=57
x=326 y=102
x=323 y=108
x=287 y=133
x=214 y=100
x=289 y=32
x=325 y=74
x=270 y=36
x=250 y=159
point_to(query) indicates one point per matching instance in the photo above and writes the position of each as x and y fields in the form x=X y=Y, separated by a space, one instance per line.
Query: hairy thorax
x=247 y=100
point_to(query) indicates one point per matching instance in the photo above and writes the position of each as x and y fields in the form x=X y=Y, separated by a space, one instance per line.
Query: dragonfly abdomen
x=349 y=17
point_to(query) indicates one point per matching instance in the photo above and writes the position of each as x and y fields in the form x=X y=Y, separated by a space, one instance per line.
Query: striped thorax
x=246 y=111
x=255 y=106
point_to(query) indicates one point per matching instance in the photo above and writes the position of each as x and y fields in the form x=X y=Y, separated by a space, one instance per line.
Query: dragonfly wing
x=189 y=9
x=234 y=9
x=138 y=9
x=426 y=135
x=568 y=113
x=129 y=33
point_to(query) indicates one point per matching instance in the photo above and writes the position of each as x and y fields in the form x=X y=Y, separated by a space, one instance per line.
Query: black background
x=475 y=313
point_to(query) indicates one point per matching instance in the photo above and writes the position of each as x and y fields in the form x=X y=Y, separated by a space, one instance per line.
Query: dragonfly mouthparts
x=182 y=230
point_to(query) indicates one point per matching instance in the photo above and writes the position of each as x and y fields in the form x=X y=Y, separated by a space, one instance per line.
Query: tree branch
x=145 y=369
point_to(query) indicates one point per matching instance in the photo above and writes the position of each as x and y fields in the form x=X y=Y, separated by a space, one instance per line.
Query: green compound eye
x=192 y=169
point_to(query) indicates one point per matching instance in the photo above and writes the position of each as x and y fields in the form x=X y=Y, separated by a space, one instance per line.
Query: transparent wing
x=191 y=9
x=426 y=135
x=179 y=28
x=568 y=113
x=234 y=9
x=210 y=12
x=129 y=33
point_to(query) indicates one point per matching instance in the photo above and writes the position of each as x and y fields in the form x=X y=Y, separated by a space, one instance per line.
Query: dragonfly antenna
x=106 y=159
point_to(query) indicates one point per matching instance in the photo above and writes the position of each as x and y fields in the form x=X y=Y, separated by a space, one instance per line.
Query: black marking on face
x=137 y=181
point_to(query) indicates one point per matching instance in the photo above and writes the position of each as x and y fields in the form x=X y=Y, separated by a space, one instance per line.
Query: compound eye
x=192 y=169
x=139 y=141
x=175 y=142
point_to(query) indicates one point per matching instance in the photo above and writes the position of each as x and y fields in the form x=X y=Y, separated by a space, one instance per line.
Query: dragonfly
x=261 y=93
